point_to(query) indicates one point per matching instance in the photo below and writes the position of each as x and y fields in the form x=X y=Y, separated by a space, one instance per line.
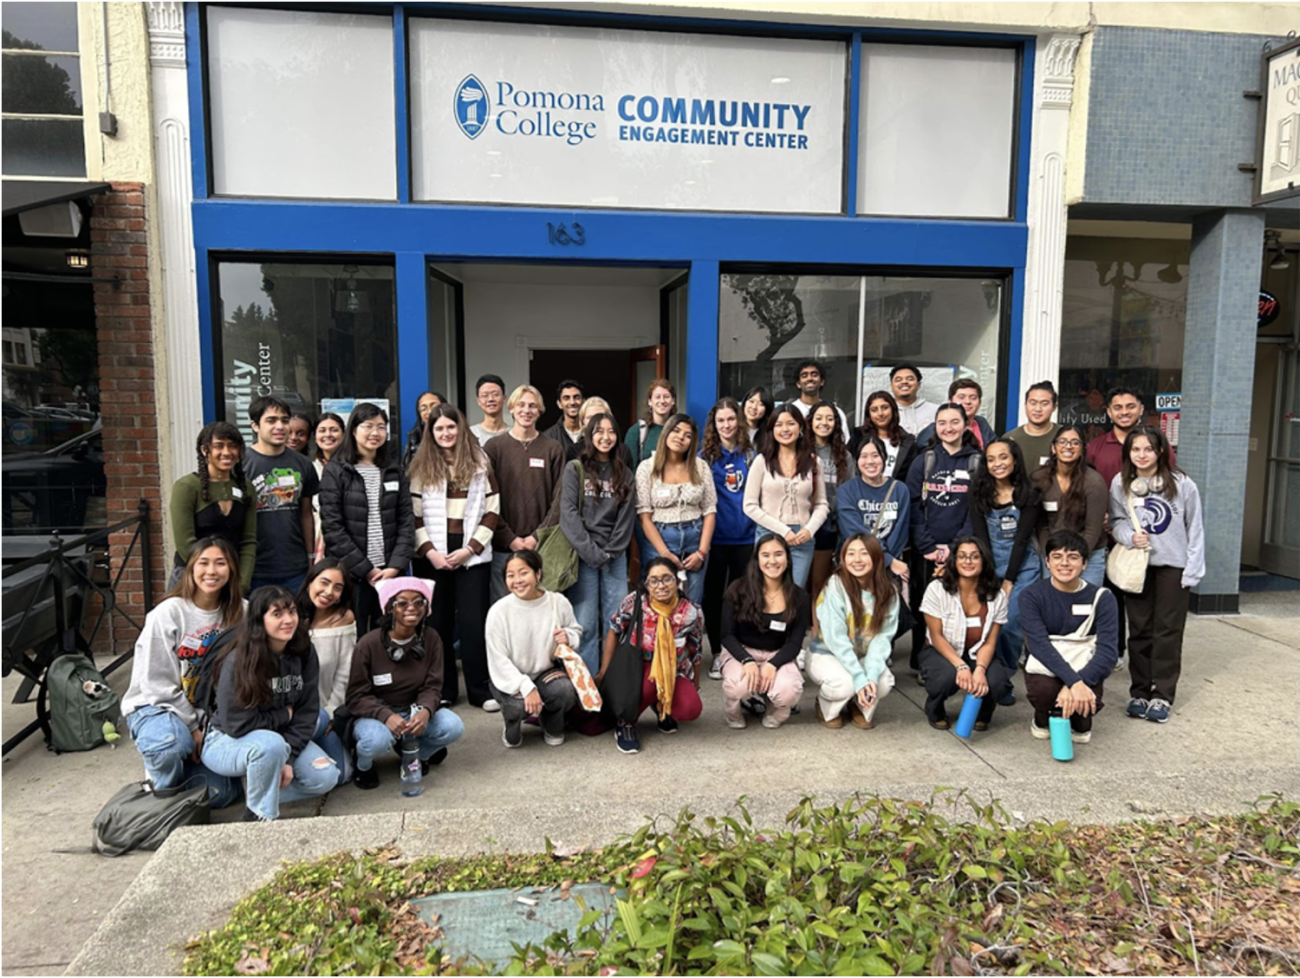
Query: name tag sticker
x=390 y=486
x=288 y=481
x=236 y=492
x=1051 y=505
x=537 y=463
x=1008 y=524
x=1081 y=610
x=777 y=626
x=384 y=679
x=191 y=642
x=961 y=474
x=973 y=621
x=1044 y=459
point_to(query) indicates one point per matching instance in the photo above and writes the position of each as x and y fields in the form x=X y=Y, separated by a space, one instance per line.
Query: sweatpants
x=558 y=698
x=1157 y=617
x=786 y=689
x=941 y=682
x=1042 y=692
x=460 y=607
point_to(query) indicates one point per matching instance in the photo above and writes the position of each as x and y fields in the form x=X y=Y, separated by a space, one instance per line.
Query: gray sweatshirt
x=603 y=530
x=520 y=644
x=176 y=636
x=1174 y=526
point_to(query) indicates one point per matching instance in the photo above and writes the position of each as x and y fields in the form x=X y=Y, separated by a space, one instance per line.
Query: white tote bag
x=1077 y=648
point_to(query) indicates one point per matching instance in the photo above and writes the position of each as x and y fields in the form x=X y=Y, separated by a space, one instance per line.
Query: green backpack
x=559 y=559
x=83 y=710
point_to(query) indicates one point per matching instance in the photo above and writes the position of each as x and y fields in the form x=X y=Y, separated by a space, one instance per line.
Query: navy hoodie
x=730 y=473
x=941 y=500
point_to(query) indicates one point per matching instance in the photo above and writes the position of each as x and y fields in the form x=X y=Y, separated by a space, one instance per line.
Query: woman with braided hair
x=215 y=501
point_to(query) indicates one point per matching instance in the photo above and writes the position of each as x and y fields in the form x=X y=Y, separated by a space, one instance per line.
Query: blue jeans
x=374 y=739
x=801 y=557
x=595 y=596
x=1002 y=526
x=682 y=540
x=290 y=584
x=332 y=744
x=165 y=745
x=1094 y=571
x=258 y=758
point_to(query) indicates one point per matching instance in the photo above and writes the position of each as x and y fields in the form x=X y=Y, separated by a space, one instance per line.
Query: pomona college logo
x=472 y=107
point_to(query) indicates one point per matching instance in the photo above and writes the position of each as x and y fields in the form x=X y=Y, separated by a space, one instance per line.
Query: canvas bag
x=1127 y=566
x=579 y=675
x=559 y=559
x=138 y=817
x=1077 y=648
x=77 y=716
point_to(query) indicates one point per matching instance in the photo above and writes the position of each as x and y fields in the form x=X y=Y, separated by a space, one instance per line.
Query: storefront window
x=769 y=322
x=42 y=126
x=1123 y=318
x=302 y=104
x=308 y=334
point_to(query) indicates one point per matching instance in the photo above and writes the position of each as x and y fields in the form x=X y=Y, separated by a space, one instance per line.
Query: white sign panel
x=588 y=117
x=1280 y=166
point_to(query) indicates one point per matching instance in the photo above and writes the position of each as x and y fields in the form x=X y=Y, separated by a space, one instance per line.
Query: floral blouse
x=687 y=622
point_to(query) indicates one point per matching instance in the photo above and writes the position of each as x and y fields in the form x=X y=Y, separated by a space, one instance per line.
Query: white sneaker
x=491 y=706
x=1040 y=733
x=1081 y=738
x=736 y=724
x=771 y=722
x=554 y=740
x=801 y=660
x=715 y=670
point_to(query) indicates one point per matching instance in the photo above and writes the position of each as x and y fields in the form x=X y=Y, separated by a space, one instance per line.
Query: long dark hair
x=1074 y=503
x=895 y=426
x=746 y=591
x=805 y=456
x=875 y=442
x=880 y=583
x=254 y=663
x=347 y=452
x=306 y=609
x=1165 y=470
x=661 y=449
x=765 y=398
x=984 y=489
x=327 y=416
x=967 y=439
x=839 y=450
x=620 y=482
x=987 y=585
x=203 y=444
x=230 y=600
x=712 y=450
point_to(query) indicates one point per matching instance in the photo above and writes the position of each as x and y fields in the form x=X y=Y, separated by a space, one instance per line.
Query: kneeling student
x=395 y=688
x=1071 y=629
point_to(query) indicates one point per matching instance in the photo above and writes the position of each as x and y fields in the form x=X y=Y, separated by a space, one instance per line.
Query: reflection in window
x=306 y=332
x=42 y=77
x=768 y=322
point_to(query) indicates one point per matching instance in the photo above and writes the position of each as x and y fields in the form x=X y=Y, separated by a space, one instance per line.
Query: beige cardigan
x=776 y=503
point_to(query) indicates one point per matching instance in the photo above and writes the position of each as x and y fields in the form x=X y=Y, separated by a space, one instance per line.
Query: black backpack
x=205 y=687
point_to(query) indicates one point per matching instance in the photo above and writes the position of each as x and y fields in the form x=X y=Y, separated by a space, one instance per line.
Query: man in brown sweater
x=528 y=467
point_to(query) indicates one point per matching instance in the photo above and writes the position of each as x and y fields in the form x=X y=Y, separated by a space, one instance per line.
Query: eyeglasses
x=419 y=604
x=1069 y=443
x=968 y=558
x=1061 y=557
x=660 y=581
x=372 y=428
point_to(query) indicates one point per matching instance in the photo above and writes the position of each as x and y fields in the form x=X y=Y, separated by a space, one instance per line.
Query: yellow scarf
x=663 y=667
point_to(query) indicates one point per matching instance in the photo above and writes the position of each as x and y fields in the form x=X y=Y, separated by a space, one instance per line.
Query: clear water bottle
x=411 y=773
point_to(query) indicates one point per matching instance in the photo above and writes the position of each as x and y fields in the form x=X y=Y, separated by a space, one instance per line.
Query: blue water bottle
x=970 y=709
x=1062 y=741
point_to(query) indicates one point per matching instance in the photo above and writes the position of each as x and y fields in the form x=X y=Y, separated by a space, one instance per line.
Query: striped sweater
x=456 y=505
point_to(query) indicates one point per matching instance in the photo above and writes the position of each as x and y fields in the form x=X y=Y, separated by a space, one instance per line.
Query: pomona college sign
x=527 y=114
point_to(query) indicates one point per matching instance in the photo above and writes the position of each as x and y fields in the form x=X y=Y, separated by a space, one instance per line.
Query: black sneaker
x=668 y=725
x=754 y=705
x=437 y=758
x=626 y=739
x=365 y=780
x=251 y=816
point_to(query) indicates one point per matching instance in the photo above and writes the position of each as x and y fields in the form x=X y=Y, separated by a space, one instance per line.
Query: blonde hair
x=520 y=391
x=592 y=406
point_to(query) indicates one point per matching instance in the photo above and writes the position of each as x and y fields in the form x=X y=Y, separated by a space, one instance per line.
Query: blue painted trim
x=198 y=113
x=1015 y=340
x=702 y=338
x=412 y=334
x=1024 y=129
x=855 y=111
x=208 y=326
x=400 y=103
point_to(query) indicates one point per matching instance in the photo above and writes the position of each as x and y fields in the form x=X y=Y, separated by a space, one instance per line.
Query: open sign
x=1269 y=308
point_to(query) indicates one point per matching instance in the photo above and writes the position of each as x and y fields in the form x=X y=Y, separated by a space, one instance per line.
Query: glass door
x=447 y=336
x=1279 y=551
x=648 y=363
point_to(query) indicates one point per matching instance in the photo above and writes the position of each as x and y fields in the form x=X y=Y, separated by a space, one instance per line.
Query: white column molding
x=175 y=192
x=1040 y=349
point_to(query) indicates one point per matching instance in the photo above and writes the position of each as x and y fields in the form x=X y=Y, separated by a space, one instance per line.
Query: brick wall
x=126 y=382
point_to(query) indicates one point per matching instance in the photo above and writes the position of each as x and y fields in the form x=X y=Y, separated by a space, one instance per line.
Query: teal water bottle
x=1062 y=742
x=970 y=709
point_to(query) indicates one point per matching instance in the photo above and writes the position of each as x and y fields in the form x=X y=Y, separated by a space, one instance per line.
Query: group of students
x=798 y=546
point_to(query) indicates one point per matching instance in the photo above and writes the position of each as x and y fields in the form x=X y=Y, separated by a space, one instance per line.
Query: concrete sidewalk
x=1224 y=746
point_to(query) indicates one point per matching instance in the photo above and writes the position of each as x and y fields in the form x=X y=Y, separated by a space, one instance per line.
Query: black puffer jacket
x=344 y=515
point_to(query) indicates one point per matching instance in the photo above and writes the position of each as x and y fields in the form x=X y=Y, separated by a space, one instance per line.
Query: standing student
x=284 y=483
x=592 y=406
x=597 y=513
x=525 y=630
x=939 y=483
x=728 y=453
x=677 y=504
x=643 y=437
x=765 y=617
x=568 y=430
x=1005 y=513
x=877 y=505
x=424 y=404
x=395 y=689
x=811 y=378
x=857 y=614
x=300 y=427
x=490 y=392
x=914 y=411
x=528 y=468
x=214 y=500
x=159 y=707
x=1064 y=606
x=833 y=458
x=1075 y=498
x=881 y=420
x=268 y=708
x=786 y=494
x=1169 y=527
x=758 y=407
x=329 y=436
x=970 y=395
x=1036 y=435
x=456 y=508
x=365 y=510
x=670 y=635
x=965 y=611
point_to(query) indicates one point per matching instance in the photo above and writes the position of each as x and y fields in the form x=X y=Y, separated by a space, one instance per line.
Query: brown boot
x=858 y=717
x=834 y=723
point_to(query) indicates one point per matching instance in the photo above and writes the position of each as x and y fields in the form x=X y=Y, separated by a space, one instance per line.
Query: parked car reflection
x=62 y=488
